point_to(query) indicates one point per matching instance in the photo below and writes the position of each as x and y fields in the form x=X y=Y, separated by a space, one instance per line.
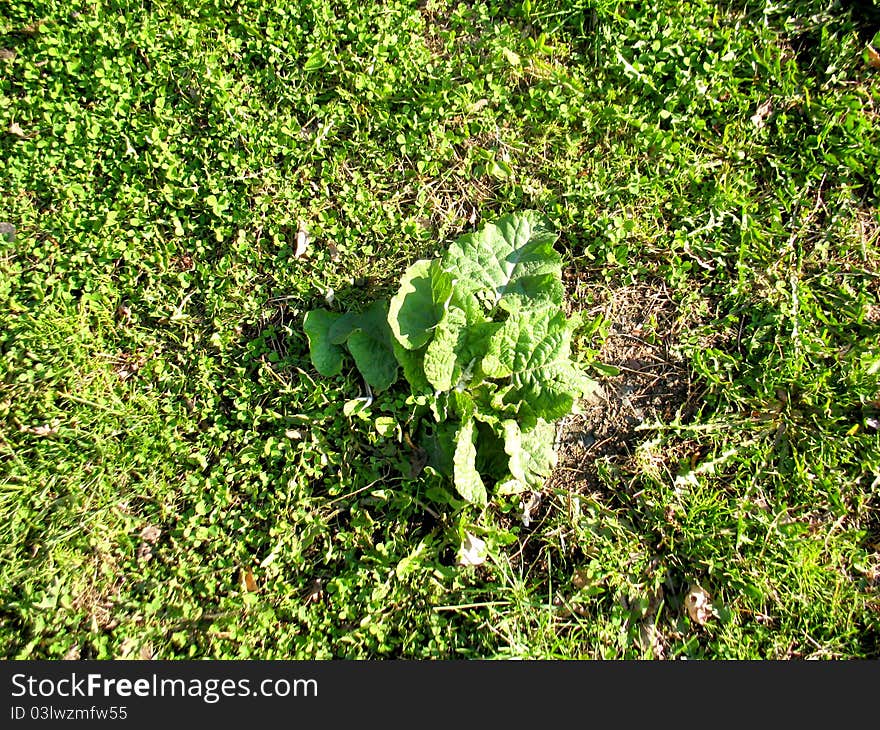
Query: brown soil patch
x=653 y=385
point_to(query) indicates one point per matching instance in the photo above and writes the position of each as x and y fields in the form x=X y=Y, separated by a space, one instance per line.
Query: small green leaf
x=316 y=61
x=499 y=169
x=608 y=370
x=512 y=58
x=466 y=477
x=385 y=425
x=326 y=357
x=355 y=406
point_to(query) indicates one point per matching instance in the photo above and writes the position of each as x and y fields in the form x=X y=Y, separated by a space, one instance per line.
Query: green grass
x=157 y=159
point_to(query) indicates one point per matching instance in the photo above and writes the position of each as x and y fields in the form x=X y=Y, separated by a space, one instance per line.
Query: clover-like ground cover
x=175 y=480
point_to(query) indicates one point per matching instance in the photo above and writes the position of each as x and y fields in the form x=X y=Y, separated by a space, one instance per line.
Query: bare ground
x=653 y=385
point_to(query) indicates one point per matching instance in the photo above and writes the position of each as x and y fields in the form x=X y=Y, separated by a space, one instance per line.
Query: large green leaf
x=467 y=479
x=531 y=354
x=412 y=362
x=468 y=301
x=461 y=339
x=442 y=367
x=512 y=259
x=370 y=346
x=462 y=405
x=420 y=302
x=344 y=325
x=491 y=459
x=326 y=356
x=438 y=440
x=531 y=453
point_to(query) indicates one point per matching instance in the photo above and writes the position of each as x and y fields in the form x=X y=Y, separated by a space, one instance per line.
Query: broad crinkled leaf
x=370 y=346
x=475 y=343
x=467 y=479
x=420 y=302
x=531 y=453
x=459 y=344
x=469 y=303
x=442 y=368
x=531 y=352
x=462 y=404
x=513 y=259
x=483 y=343
x=326 y=356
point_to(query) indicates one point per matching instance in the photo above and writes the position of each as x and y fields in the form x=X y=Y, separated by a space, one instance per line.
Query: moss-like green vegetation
x=177 y=481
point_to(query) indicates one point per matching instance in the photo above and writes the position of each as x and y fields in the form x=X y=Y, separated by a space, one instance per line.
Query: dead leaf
x=127 y=647
x=150 y=534
x=699 y=605
x=131 y=648
x=418 y=458
x=16 y=129
x=872 y=57
x=315 y=592
x=595 y=395
x=580 y=579
x=73 y=653
x=472 y=551
x=44 y=429
x=144 y=552
x=248 y=581
x=129 y=364
x=8 y=230
x=302 y=243
x=6 y=54
x=759 y=118
x=32 y=29
x=528 y=507
x=651 y=640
